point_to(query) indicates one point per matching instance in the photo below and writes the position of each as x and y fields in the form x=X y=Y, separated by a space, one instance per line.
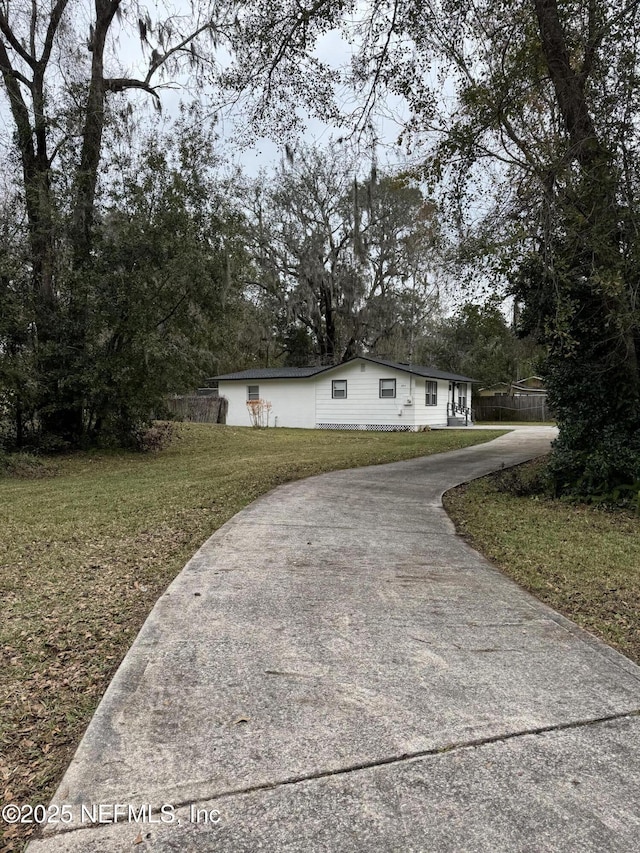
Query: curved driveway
x=336 y=670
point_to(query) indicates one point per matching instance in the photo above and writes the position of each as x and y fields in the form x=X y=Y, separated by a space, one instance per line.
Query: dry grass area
x=89 y=545
x=581 y=560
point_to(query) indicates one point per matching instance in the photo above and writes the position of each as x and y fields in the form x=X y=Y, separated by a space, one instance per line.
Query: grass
x=89 y=543
x=581 y=560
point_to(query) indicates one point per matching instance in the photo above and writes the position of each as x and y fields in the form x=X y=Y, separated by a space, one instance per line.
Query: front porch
x=458 y=412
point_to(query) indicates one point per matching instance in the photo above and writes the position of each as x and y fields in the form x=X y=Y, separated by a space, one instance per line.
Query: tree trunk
x=87 y=175
x=594 y=381
x=601 y=207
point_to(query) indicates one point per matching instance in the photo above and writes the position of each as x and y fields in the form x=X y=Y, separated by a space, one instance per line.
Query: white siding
x=430 y=415
x=308 y=402
x=363 y=404
x=292 y=401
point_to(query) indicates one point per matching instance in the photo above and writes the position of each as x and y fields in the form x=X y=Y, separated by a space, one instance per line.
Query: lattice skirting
x=371 y=427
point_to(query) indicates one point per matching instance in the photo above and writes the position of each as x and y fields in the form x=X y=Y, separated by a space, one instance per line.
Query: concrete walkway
x=335 y=670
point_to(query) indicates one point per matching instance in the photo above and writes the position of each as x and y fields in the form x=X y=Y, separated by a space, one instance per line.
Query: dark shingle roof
x=420 y=370
x=304 y=372
x=271 y=373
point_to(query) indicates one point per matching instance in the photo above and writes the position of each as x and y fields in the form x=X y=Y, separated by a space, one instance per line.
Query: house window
x=462 y=397
x=387 y=387
x=253 y=392
x=339 y=389
x=431 y=393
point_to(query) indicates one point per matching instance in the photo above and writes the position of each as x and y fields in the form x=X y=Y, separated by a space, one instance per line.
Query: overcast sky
x=387 y=122
x=331 y=49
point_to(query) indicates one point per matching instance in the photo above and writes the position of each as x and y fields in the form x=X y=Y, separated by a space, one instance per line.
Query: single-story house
x=362 y=393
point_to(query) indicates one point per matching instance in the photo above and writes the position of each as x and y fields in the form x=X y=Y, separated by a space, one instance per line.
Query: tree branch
x=380 y=59
x=52 y=28
x=172 y=311
x=33 y=26
x=10 y=36
x=119 y=84
x=566 y=83
x=18 y=108
x=155 y=64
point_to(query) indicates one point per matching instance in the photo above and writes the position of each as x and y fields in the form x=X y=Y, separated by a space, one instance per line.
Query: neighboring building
x=532 y=386
x=500 y=389
x=362 y=393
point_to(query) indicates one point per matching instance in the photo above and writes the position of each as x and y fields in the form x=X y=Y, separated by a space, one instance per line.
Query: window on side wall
x=387 y=387
x=253 y=392
x=431 y=393
x=339 y=389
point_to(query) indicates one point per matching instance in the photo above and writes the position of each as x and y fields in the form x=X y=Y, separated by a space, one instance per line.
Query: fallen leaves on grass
x=85 y=554
x=581 y=560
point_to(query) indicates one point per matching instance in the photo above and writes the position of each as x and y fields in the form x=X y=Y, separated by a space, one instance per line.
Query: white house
x=362 y=393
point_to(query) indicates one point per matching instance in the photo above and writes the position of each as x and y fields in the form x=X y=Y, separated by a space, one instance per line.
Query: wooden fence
x=525 y=407
x=199 y=408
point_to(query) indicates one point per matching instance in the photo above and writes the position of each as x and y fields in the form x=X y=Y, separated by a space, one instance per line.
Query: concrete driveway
x=336 y=670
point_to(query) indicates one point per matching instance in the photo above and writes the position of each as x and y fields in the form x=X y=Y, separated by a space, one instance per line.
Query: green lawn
x=86 y=551
x=582 y=560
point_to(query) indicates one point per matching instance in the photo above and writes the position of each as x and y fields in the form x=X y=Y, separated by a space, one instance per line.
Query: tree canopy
x=478 y=341
x=80 y=288
x=522 y=112
x=526 y=110
x=341 y=258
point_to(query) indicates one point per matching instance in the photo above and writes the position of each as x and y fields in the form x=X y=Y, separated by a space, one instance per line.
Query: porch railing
x=456 y=411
